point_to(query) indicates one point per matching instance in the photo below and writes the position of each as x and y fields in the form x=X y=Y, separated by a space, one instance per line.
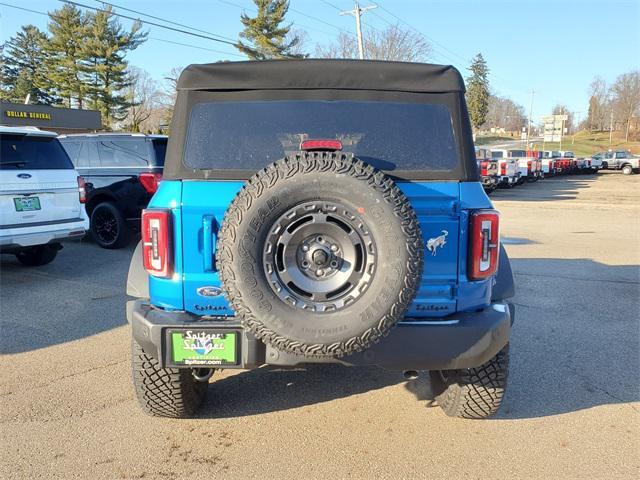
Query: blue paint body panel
x=198 y=208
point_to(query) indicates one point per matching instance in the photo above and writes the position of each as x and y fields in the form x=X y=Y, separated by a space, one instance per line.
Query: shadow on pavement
x=266 y=390
x=552 y=188
x=574 y=346
x=81 y=293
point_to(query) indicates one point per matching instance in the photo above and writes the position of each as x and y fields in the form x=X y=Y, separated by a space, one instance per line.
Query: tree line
x=78 y=62
x=615 y=106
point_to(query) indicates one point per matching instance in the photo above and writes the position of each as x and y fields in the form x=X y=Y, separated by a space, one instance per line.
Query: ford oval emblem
x=209 y=291
x=24 y=175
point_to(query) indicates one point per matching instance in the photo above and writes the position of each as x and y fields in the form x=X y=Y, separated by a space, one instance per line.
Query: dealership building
x=56 y=119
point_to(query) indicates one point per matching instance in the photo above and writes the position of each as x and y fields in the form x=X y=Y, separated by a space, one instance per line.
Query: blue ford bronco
x=320 y=211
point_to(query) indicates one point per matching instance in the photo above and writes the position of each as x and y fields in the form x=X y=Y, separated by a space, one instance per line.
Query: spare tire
x=320 y=254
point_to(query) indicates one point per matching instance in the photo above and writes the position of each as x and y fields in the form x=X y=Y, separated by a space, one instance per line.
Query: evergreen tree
x=266 y=36
x=104 y=52
x=478 y=91
x=65 y=64
x=22 y=68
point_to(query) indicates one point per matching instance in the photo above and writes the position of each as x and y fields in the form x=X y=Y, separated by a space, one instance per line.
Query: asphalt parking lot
x=572 y=410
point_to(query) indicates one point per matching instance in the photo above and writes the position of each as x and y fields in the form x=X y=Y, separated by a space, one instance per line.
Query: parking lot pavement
x=572 y=410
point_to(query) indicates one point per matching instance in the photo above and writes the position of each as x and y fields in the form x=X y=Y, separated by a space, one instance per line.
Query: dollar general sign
x=29 y=115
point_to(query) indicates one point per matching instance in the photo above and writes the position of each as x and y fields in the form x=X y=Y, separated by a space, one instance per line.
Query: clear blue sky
x=553 y=46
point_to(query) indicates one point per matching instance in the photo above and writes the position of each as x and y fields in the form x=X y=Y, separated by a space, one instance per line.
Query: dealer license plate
x=204 y=347
x=26 y=204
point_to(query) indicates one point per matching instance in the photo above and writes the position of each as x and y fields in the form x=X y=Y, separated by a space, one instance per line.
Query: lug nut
x=334 y=248
x=319 y=272
x=320 y=239
x=305 y=248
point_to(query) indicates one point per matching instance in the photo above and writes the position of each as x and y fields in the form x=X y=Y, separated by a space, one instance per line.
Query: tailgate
x=38 y=197
x=436 y=203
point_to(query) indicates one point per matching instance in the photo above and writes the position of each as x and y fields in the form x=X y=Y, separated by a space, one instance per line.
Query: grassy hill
x=586 y=143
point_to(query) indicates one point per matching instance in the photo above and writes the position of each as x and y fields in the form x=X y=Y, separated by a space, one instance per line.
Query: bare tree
x=392 y=43
x=599 y=104
x=505 y=113
x=626 y=98
x=299 y=47
x=144 y=97
x=169 y=92
x=345 y=46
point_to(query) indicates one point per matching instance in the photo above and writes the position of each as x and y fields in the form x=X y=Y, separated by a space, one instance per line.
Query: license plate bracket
x=203 y=347
x=26 y=204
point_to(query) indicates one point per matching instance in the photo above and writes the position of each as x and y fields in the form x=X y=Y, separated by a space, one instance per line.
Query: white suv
x=41 y=195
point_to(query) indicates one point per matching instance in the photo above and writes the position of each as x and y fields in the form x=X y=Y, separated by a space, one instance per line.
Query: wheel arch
x=98 y=198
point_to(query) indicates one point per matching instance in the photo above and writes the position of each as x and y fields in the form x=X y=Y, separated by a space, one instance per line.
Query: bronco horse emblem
x=439 y=241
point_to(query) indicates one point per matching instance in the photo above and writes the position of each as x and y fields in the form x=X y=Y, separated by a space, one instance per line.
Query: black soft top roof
x=322 y=74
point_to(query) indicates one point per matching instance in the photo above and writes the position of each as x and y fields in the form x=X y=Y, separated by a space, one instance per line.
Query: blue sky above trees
x=553 y=46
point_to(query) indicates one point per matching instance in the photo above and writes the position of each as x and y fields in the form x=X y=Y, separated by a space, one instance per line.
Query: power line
x=147 y=22
x=242 y=7
x=196 y=46
x=163 y=20
x=46 y=14
x=23 y=9
x=421 y=33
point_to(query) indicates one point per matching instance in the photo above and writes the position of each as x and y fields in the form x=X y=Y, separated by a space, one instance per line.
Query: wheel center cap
x=320 y=257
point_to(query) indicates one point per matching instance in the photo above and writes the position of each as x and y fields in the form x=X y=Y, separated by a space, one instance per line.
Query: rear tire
x=165 y=392
x=38 y=255
x=109 y=227
x=627 y=170
x=473 y=392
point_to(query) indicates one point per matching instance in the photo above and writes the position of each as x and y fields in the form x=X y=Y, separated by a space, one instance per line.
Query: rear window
x=125 y=152
x=388 y=135
x=517 y=153
x=32 y=152
x=160 y=148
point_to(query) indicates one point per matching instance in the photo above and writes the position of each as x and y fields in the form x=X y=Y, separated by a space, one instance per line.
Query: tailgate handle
x=210 y=236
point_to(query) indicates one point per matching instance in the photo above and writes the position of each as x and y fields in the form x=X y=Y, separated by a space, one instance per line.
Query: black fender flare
x=504 y=286
x=138 y=278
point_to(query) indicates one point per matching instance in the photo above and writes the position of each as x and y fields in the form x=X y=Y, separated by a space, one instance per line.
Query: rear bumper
x=462 y=340
x=16 y=238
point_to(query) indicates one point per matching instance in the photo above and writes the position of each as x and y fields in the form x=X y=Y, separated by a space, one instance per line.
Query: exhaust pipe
x=410 y=374
x=202 y=374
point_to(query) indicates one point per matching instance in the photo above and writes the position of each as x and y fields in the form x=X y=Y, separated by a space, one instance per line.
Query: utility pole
x=530 y=112
x=357 y=12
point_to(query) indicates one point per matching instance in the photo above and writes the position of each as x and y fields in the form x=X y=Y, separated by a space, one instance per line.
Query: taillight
x=529 y=166
x=156 y=242
x=150 y=181
x=503 y=169
x=82 y=190
x=484 y=241
x=321 y=145
x=483 y=168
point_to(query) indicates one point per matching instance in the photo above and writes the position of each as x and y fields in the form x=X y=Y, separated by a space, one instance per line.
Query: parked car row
x=57 y=187
x=508 y=168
